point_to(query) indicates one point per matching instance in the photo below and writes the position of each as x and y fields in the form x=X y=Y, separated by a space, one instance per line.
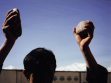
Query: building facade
x=16 y=76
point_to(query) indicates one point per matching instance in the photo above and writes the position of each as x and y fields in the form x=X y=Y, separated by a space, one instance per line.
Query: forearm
x=89 y=58
x=5 y=49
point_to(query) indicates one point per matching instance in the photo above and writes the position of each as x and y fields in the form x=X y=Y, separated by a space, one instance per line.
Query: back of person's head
x=41 y=63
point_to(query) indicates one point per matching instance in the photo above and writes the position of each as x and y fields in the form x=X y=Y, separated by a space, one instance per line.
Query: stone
x=16 y=31
x=80 y=31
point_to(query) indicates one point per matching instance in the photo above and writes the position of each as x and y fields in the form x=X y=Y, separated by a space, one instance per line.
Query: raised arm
x=84 y=46
x=9 y=37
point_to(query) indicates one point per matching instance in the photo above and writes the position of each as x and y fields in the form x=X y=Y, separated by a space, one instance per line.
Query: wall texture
x=16 y=76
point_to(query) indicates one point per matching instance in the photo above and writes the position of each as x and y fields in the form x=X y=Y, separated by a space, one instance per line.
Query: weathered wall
x=16 y=76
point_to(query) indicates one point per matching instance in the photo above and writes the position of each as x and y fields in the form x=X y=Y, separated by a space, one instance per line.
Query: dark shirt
x=99 y=76
x=0 y=68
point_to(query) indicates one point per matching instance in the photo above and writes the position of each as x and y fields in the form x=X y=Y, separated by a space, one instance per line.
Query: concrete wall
x=16 y=76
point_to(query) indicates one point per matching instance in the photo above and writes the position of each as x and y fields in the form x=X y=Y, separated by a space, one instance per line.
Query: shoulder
x=0 y=68
x=99 y=76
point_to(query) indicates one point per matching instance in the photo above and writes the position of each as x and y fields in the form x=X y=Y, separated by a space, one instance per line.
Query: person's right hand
x=8 y=25
x=84 y=42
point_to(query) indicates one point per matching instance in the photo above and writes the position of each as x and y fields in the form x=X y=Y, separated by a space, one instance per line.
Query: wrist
x=83 y=48
x=10 y=41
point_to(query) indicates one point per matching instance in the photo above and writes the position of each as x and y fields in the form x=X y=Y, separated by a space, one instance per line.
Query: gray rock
x=80 y=27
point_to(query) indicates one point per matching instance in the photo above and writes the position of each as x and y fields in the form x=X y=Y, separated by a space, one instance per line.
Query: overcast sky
x=49 y=24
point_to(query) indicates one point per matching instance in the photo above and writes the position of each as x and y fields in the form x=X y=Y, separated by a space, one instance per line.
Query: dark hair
x=38 y=60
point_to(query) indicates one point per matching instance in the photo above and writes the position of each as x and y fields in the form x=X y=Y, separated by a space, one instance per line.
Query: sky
x=49 y=24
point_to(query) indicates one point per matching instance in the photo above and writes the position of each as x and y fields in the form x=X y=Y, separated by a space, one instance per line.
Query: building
x=16 y=76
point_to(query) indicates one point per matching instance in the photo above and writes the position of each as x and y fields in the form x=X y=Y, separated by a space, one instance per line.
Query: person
x=40 y=63
x=39 y=66
x=10 y=38
x=95 y=72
